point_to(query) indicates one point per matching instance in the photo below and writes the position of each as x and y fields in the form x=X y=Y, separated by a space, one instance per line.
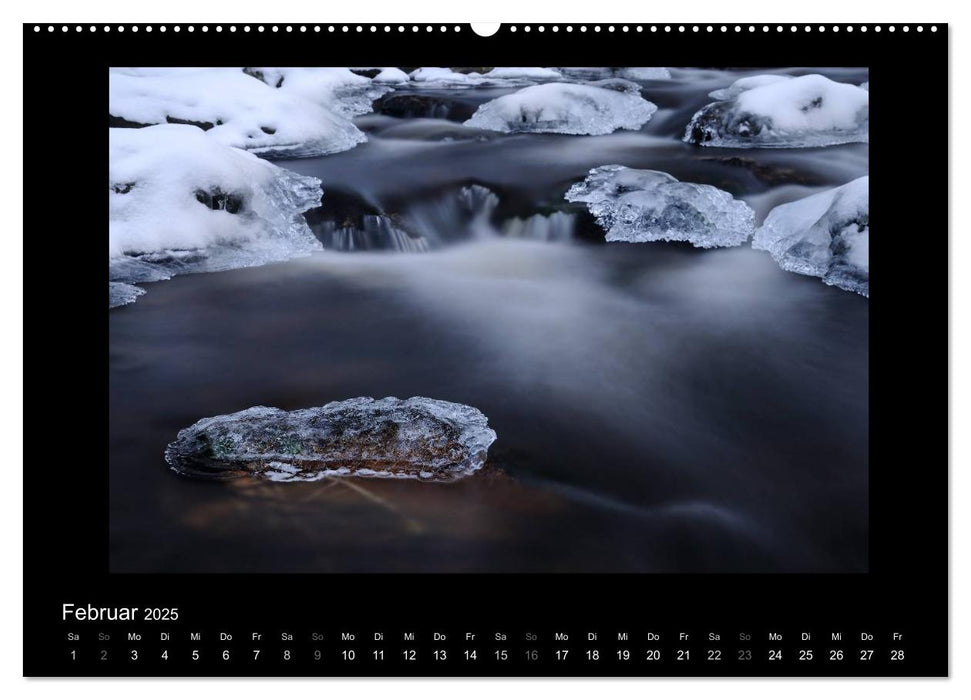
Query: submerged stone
x=417 y=438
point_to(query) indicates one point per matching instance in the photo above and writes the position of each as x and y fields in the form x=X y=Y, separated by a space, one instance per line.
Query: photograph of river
x=490 y=319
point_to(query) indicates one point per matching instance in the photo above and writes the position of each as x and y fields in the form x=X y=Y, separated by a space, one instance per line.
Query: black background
x=65 y=480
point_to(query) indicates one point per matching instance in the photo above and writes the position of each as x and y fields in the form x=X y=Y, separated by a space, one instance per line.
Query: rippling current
x=659 y=408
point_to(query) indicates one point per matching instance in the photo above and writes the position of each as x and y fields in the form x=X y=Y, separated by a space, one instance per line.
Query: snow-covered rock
x=417 y=438
x=647 y=205
x=393 y=76
x=743 y=84
x=562 y=108
x=305 y=116
x=180 y=201
x=801 y=112
x=445 y=77
x=825 y=235
x=337 y=89
x=519 y=74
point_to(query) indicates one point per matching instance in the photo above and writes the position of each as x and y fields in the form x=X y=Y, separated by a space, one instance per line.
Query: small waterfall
x=376 y=232
x=464 y=214
x=458 y=216
x=558 y=227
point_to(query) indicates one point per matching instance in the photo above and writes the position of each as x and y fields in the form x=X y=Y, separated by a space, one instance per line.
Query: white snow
x=391 y=75
x=445 y=77
x=510 y=73
x=647 y=205
x=336 y=89
x=743 y=84
x=304 y=116
x=563 y=108
x=250 y=211
x=811 y=110
x=825 y=235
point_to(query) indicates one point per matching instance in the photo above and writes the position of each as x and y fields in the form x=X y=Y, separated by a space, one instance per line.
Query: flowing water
x=659 y=408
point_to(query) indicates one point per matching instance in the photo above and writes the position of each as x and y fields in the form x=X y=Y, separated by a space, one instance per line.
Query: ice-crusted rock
x=644 y=73
x=647 y=205
x=179 y=201
x=417 y=438
x=563 y=108
x=808 y=111
x=743 y=84
x=826 y=235
x=120 y=293
x=307 y=116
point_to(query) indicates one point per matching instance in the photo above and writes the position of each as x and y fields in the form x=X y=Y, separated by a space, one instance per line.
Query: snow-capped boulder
x=445 y=77
x=391 y=76
x=647 y=205
x=239 y=109
x=826 y=235
x=523 y=74
x=180 y=201
x=337 y=89
x=801 y=112
x=563 y=108
x=417 y=438
x=743 y=84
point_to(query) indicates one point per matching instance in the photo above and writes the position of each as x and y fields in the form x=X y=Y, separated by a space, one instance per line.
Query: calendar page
x=452 y=367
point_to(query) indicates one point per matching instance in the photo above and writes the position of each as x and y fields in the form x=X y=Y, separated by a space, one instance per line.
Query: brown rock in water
x=418 y=438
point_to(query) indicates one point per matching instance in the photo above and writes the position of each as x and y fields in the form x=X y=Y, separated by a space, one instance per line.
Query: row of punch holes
x=401 y=28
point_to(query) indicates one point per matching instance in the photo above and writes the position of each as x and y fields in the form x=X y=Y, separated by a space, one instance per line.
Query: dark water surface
x=658 y=408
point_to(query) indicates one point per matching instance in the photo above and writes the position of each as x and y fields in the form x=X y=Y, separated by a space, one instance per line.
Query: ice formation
x=562 y=108
x=518 y=74
x=646 y=205
x=179 y=201
x=274 y=112
x=645 y=73
x=801 y=112
x=825 y=235
x=743 y=84
x=418 y=438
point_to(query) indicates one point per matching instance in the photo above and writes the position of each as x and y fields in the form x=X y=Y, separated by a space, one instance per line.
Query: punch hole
x=485 y=28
